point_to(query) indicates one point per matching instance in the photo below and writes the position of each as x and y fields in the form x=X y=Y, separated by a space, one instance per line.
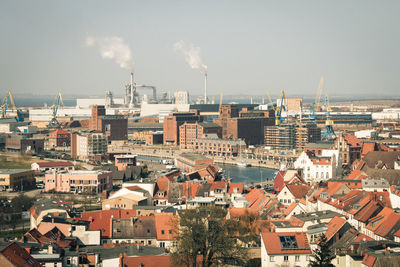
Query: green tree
x=322 y=255
x=204 y=232
x=21 y=203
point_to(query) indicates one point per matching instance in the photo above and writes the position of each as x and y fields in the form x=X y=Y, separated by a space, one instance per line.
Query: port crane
x=19 y=116
x=278 y=110
x=59 y=102
x=4 y=106
x=329 y=133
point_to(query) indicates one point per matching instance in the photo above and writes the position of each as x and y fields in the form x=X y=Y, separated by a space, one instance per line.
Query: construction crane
x=59 y=102
x=318 y=96
x=278 y=110
x=4 y=106
x=329 y=133
x=19 y=116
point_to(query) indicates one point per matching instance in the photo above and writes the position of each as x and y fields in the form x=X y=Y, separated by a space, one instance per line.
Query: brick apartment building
x=79 y=181
x=174 y=121
x=211 y=144
x=115 y=127
x=189 y=133
x=349 y=147
x=59 y=138
x=122 y=162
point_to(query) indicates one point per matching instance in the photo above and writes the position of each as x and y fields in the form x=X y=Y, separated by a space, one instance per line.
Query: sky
x=249 y=47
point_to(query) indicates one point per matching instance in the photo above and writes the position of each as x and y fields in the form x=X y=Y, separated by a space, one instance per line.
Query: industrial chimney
x=132 y=91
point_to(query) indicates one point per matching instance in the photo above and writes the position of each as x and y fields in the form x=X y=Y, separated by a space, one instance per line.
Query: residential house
x=53 y=166
x=284 y=248
x=292 y=193
x=317 y=168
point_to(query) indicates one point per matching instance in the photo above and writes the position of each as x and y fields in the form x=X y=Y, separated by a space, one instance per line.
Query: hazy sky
x=249 y=46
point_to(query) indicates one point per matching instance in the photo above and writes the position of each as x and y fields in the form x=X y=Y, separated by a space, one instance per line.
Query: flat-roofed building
x=189 y=133
x=211 y=144
x=79 y=181
x=16 y=179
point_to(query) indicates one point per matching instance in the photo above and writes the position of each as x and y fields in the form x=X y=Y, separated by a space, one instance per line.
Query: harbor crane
x=4 y=106
x=19 y=116
x=278 y=110
x=59 y=102
x=329 y=133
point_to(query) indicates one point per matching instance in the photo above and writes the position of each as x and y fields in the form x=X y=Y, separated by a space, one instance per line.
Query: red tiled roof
x=321 y=161
x=219 y=185
x=165 y=224
x=352 y=140
x=334 y=226
x=357 y=175
x=19 y=256
x=231 y=186
x=298 y=190
x=238 y=212
x=273 y=244
x=55 y=164
x=151 y=261
x=367 y=212
x=388 y=224
x=334 y=187
x=101 y=220
x=362 y=238
x=367 y=147
x=290 y=208
x=254 y=194
x=189 y=190
x=369 y=260
x=162 y=184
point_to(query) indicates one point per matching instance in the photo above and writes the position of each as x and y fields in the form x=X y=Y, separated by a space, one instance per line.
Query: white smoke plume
x=113 y=48
x=192 y=56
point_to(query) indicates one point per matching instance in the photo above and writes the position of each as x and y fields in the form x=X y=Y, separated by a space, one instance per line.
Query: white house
x=284 y=249
x=292 y=193
x=317 y=168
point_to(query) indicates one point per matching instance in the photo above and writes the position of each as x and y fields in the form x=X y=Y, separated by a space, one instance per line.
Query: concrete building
x=16 y=179
x=115 y=127
x=59 y=138
x=173 y=122
x=79 y=181
x=85 y=146
x=181 y=97
x=189 y=133
x=287 y=136
x=24 y=144
x=211 y=144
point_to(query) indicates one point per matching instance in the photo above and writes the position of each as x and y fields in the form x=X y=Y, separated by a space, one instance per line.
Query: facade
x=115 y=127
x=189 y=133
x=191 y=162
x=154 y=138
x=88 y=145
x=287 y=136
x=246 y=124
x=59 y=138
x=349 y=147
x=124 y=161
x=211 y=144
x=181 y=97
x=317 y=168
x=79 y=181
x=16 y=179
x=23 y=144
x=173 y=122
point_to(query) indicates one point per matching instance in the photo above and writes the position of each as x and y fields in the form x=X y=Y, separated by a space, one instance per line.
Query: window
x=162 y=232
x=148 y=231
x=296 y=258
x=285 y=258
x=170 y=232
x=271 y=258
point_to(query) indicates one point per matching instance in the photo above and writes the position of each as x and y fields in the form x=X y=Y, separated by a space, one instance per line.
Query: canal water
x=246 y=175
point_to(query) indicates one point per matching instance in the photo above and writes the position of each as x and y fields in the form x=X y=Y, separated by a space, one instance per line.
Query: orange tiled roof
x=321 y=161
x=18 y=256
x=357 y=175
x=352 y=140
x=388 y=226
x=219 y=185
x=238 y=212
x=165 y=224
x=369 y=260
x=367 y=147
x=273 y=244
x=290 y=208
x=254 y=194
x=232 y=186
x=334 y=226
x=298 y=190
x=101 y=220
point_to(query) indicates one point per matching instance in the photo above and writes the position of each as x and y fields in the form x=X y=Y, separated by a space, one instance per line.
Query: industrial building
x=24 y=144
x=16 y=179
x=211 y=144
x=115 y=127
x=189 y=133
x=173 y=122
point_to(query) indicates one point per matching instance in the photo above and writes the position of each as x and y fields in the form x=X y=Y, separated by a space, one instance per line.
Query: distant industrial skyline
x=247 y=47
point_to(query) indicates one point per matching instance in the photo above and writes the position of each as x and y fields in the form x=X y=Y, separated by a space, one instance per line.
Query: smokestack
x=205 y=88
x=132 y=91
